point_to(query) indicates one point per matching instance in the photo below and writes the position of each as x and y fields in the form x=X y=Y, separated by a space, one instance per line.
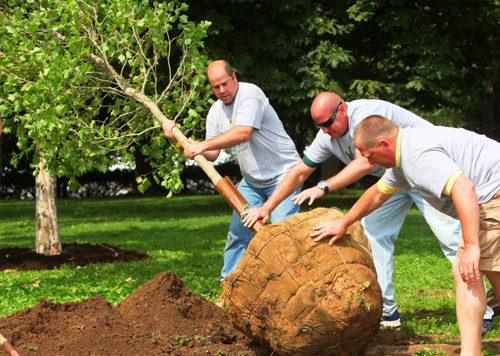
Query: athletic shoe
x=488 y=325
x=393 y=321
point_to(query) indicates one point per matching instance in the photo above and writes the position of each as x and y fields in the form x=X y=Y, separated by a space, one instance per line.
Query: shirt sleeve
x=210 y=126
x=391 y=181
x=250 y=112
x=384 y=188
x=436 y=164
x=308 y=162
x=451 y=182
x=320 y=150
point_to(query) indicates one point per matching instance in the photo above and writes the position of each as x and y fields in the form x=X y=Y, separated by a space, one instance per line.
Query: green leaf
x=144 y=185
x=61 y=109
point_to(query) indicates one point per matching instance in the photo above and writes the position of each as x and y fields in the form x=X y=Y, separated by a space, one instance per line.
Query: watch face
x=322 y=185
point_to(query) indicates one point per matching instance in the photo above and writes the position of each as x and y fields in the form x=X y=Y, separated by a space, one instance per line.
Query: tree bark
x=47 y=240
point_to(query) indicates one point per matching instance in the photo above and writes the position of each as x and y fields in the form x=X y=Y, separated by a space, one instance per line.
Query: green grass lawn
x=187 y=235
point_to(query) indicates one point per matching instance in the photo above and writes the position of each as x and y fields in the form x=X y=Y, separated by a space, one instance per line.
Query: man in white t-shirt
x=457 y=172
x=337 y=121
x=243 y=122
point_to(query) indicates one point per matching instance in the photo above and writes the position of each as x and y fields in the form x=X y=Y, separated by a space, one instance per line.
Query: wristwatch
x=323 y=185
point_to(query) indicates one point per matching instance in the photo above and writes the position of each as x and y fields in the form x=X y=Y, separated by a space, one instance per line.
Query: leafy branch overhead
x=84 y=116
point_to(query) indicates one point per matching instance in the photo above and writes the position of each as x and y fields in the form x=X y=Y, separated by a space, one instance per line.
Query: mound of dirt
x=162 y=317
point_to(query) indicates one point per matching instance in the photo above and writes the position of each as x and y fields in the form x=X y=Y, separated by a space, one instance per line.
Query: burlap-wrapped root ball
x=299 y=297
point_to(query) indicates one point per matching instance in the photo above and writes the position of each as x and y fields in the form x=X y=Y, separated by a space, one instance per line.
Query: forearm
x=230 y=138
x=210 y=148
x=371 y=200
x=354 y=171
x=465 y=200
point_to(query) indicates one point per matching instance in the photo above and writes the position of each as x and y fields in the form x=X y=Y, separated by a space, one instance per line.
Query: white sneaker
x=393 y=321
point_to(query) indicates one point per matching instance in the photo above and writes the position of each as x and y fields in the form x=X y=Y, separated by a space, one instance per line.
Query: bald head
x=220 y=65
x=329 y=113
x=324 y=102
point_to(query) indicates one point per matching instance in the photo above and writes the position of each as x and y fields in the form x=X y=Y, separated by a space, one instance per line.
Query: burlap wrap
x=305 y=298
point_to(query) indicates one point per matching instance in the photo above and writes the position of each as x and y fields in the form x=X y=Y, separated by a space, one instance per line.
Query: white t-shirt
x=430 y=156
x=324 y=146
x=270 y=153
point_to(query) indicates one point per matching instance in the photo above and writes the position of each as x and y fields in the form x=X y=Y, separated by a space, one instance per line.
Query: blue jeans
x=382 y=228
x=239 y=236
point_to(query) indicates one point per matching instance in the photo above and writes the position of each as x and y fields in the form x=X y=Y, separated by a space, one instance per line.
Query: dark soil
x=25 y=259
x=162 y=317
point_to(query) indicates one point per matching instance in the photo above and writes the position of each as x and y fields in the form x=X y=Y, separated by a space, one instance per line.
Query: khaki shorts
x=489 y=236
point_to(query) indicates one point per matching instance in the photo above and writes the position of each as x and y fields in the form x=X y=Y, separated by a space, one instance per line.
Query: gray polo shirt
x=429 y=157
x=270 y=153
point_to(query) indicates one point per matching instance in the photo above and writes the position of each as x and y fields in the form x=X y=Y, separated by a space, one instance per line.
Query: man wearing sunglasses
x=337 y=120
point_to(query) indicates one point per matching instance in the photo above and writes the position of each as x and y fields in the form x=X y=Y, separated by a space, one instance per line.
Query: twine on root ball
x=299 y=297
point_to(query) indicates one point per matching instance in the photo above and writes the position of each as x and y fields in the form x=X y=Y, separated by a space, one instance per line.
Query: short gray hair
x=372 y=129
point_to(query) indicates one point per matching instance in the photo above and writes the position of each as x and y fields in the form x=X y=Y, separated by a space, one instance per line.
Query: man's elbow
x=245 y=136
x=211 y=156
x=463 y=186
x=243 y=133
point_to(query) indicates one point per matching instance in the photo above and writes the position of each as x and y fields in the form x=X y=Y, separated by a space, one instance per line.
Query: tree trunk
x=47 y=228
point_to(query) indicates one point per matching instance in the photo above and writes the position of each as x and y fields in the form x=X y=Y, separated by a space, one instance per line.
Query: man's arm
x=297 y=175
x=211 y=148
x=354 y=171
x=372 y=199
x=464 y=197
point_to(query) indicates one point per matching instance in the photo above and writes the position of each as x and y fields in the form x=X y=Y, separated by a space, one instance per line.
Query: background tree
x=80 y=118
x=438 y=58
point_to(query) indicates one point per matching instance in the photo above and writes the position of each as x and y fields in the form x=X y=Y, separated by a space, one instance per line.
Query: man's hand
x=311 y=194
x=336 y=229
x=255 y=214
x=469 y=264
x=194 y=148
x=167 y=130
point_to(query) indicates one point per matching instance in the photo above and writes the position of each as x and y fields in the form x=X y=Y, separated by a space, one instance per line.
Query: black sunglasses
x=330 y=121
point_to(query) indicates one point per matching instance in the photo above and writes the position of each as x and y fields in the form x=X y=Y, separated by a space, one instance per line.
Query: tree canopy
x=439 y=59
x=58 y=91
